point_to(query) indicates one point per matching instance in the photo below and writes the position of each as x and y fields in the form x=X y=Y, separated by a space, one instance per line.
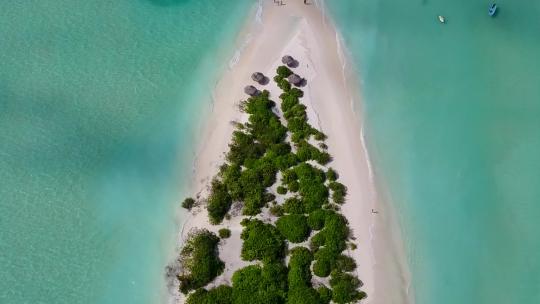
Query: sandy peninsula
x=332 y=98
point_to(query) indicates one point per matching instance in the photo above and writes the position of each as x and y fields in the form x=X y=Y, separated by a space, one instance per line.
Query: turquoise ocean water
x=97 y=103
x=453 y=123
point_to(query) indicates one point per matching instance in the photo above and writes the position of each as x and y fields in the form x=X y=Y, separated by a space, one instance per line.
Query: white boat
x=442 y=19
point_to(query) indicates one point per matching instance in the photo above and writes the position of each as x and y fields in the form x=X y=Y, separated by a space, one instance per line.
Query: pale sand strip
x=304 y=32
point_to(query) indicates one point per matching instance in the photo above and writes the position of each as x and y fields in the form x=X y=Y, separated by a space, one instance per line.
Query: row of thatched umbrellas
x=262 y=80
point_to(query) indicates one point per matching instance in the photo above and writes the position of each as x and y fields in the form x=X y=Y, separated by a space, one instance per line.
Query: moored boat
x=492 y=9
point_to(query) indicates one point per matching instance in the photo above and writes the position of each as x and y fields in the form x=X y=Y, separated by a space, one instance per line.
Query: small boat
x=442 y=19
x=492 y=9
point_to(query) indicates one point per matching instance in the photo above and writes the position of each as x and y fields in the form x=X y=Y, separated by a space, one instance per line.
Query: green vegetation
x=276 y=210
x=283 y=72
x=261 y=242
x=219 y=295
x=325 y=294
x=316 y=219
x=224 y=233
x=293 y=205
x=294 y=227
x=311 y=186
x=188 y=203
x=219 y=202
x=258 y=151
x=200 y=260
x=329 y=243
x=299 y=278
x=345 y=288
x=331 y=175
x=260 y=285
x=339 y=191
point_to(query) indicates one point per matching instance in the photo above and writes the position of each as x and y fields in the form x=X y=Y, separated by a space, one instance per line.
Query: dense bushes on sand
x=259 y=152
x=188 y=203
x=261 y=242
x=260 y=284
x=345 y=288
x=294 y=227
x=219 y=202
x=219 y=295
x=199 y=260
x=224 y=233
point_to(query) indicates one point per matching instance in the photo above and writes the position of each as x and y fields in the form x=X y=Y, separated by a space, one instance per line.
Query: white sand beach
x=332 y=97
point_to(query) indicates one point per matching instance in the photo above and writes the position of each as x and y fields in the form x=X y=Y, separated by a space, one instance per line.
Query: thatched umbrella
x=251 y=90
x=258 y=77
x=295 y=79
x=288 y=60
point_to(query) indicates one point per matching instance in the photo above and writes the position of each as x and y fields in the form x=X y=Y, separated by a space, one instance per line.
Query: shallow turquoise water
x=96 y=125
x=453 y=120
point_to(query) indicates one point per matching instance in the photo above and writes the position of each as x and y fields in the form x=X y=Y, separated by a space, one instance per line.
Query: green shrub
x=224 y=233
x=299 y=278
x=281 y=190
x=316 y=219
x=322 y=158
x=243 y=148
x=188 y=203
x=318 y=240
x=200 y=260
x=294 y=227
x=296 y=92
x=303 y=295
x=284 y=85
x=293 y=205
x=339 y=191
x=261 y=242
x=325 y=294
x=276 y=210
x=219 y=295
x=268 y=197
x=230 y=175
x=294 y=186
x=284 y=71
x=288 y=177
x=322 y=268
x=303 y=153
x=286 y=161
x=256 y=284
x=320 y=135
x=336 y=232
x=331 y=175
x=345 y=288
x=311 y=186
x=219 y=202
x=345 y=263
x=253 y=191
x=299 y=263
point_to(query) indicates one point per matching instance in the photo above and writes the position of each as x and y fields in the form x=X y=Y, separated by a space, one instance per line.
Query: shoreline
x=331 y=97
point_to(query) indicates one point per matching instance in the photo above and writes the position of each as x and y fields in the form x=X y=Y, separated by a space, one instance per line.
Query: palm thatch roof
x=295 y=79
x=288 y=60
x=258 y=77
x=251 y=90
